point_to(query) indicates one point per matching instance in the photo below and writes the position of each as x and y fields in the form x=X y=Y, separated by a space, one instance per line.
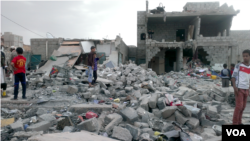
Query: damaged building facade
x=202 y=27
x=114 y=50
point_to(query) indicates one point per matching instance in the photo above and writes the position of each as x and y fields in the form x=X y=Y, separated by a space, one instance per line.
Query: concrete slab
x=83 y=108
x=66 y=136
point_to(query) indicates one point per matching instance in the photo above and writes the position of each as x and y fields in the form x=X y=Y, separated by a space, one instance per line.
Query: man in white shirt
x=241 y=84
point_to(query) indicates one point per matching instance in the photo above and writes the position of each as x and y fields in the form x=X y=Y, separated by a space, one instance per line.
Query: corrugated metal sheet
x=71 y=49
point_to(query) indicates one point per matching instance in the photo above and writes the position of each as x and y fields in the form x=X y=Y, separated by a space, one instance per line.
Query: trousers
x=90 y=74
x=240 y=105
x=19 y=77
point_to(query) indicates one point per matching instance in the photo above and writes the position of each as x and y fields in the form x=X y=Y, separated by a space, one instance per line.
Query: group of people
x=17 y=65
x=240 y=81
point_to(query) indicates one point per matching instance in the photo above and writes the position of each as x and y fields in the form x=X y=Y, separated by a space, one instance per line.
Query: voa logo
x=236 y=132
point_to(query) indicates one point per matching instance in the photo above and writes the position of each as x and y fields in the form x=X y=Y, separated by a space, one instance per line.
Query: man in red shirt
x=18 y=63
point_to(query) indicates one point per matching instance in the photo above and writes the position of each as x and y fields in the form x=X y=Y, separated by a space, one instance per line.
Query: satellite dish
x=49 y=35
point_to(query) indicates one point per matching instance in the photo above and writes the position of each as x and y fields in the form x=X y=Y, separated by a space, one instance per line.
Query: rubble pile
x=127 y=103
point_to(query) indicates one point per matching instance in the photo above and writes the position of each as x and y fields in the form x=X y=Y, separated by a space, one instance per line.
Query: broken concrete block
x=89 y=125
x=121 y=134
x=137 y=93
x=102 y=85
x=128 y=89
x=196 y=112
x=68 y=129
x=41 y=111
x=48 y=117
x=180 y=118
x=192 y=123
x=157 y=113
x=144 y=91
x=168 y=111
x=17 y=126
x=140 y=111
x=72 y=89
x=212 y=112
x=153 y=101
x=129 y=114
x=112 y=120
x=141 y=125
x=167 y=127
x=184 y=111
x=161 y=103
x=144 y=103
x=41 y=126
x=62 y=122
x=134 y=131
x=86 y=95
x=157 y=125
x=23 y=134
x=171 y=118
x=147 y=116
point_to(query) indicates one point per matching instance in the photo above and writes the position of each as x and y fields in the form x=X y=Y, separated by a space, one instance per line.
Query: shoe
x=24 y=97
x=4 y=93
x=13 y=99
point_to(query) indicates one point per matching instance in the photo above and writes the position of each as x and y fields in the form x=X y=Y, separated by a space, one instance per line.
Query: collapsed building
x=202 y=27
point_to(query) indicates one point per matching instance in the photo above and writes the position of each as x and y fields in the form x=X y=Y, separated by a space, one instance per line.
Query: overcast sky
x=92 y=18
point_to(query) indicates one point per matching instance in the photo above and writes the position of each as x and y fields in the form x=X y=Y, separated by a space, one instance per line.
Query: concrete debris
x=122 y=134
x=89 y=125
x=128 y=101
x=168 y=111
x=129 y=114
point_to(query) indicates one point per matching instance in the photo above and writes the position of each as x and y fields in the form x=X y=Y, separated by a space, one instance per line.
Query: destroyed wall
x=201 y=6
x=106 y=47
x=122 y=48
x=141 y=44
x=167 y=31
x=209 y=29
x=242 y=37
x=38 y=46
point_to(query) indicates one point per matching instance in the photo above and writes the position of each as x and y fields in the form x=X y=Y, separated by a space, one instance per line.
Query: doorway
x=180 y=35
x=170 y=58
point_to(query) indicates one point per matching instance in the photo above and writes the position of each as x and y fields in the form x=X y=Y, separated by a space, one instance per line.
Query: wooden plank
x=5 y=122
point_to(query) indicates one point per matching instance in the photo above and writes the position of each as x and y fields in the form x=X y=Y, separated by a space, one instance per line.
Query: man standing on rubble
x=3 y=79
x=241 y=84
x=18 y=64
x=91 y=62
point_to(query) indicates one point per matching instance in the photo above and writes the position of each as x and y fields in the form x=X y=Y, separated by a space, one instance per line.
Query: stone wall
x=38 y=46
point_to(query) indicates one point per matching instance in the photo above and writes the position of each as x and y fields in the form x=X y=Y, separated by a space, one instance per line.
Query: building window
x=143 y=36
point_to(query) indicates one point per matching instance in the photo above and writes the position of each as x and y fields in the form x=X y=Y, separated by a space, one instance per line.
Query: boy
x=225 y=77
x=95 y=68
x=241 y=80
x=3 y=79
x=91 y=60
x=18 y=64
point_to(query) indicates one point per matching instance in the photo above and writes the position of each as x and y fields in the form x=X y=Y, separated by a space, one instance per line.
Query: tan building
x=26 y=48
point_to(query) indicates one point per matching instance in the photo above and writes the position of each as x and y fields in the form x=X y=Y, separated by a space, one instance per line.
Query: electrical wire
x=21 y=26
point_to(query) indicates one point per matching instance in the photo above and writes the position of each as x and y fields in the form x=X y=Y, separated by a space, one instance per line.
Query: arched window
x=143 y=36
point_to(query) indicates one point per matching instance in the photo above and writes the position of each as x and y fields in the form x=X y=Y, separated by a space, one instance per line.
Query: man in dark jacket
x=91 y=63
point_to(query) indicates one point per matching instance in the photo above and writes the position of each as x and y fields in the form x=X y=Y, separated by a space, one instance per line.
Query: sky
x=94 y=19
